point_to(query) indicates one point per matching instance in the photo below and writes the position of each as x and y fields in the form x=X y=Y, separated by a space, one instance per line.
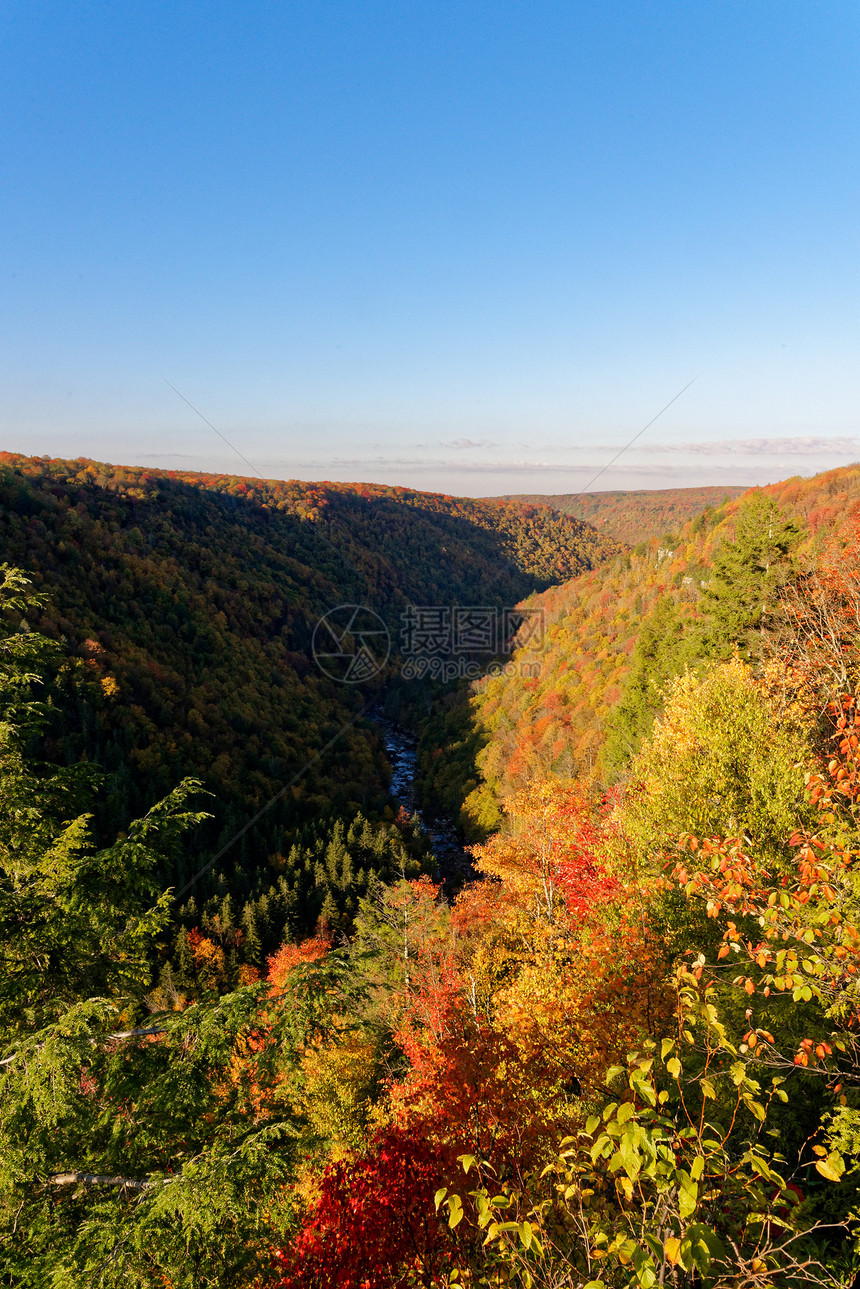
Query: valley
x=315 y=959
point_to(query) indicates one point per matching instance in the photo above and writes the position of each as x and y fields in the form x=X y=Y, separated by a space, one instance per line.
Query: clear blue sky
x=461 y=246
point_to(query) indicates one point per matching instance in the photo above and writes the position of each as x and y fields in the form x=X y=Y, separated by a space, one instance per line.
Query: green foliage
x=448 y=754
x=662 y=651
x=747 y=575
x=320 y=882
x=135 y=1147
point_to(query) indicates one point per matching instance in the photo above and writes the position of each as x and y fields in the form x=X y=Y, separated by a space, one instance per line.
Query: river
x=455 y=863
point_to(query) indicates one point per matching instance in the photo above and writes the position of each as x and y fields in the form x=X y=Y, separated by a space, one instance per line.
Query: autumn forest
x=260 y=1031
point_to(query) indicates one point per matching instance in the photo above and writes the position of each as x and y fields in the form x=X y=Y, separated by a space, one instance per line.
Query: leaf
x=672 y=1249
x=832 y=1167
x=630 y=1158
x=599 y=1147
x=756 y=1108
x=455 y=1211
x=702 y=1246
x=687 y=1201
x=646 y=1272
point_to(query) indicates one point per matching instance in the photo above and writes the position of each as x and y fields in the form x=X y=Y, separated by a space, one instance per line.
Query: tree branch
x=121 y=1033
x=96 y=1179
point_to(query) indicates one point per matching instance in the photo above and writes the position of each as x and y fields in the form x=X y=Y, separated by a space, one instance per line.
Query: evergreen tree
x=133 y=1149
x=662 y=650
x=747 y=576
x=251 y=947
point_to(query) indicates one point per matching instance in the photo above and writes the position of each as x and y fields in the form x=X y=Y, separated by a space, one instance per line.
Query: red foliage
x=584 y=881
x=292 y=955
x=374 y=1225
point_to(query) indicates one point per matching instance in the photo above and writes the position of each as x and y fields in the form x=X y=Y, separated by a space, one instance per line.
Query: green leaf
x=674 y=1067
x=755 y=1108
x=687 y=1200
x=630 y=1158
x=646 y=1272
x=599 y=1147
x=702 y=1246
x=832 y=1167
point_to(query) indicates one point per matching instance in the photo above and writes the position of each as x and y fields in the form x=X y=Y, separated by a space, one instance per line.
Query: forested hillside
x=637 y=516
x=186 y=606
x=626 y=1055
x=608 y=631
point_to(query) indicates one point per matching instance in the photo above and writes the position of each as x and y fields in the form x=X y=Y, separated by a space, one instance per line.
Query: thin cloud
x=460 y=445
x=799 y=445
x=471 y=467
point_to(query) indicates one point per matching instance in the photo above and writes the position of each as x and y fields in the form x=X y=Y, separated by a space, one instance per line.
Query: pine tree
x=747 y=575
x=251 y=948
x=662 y=651
x=132 y=1151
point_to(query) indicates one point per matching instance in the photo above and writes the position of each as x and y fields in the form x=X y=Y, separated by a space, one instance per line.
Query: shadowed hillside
x=187 y=604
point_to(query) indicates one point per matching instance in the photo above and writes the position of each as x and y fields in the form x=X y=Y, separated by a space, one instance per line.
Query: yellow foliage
x=338 y=1080
x=720 y=762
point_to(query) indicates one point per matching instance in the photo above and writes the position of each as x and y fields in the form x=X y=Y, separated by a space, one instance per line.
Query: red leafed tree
x=821 y=610
x=292 y=955
x=374 y=1225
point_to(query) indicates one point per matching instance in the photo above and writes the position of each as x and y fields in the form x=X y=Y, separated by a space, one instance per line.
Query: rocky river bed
x=455 y=863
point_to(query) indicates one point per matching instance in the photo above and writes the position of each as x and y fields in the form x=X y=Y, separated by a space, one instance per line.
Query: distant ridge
x=636 y=516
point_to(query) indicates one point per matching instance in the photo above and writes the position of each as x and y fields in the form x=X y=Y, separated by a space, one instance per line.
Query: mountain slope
x=189 y=603
x=638 y=516
x=545 y=714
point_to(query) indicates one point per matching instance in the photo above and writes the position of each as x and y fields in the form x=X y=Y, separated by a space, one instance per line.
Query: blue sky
x=468 y=247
